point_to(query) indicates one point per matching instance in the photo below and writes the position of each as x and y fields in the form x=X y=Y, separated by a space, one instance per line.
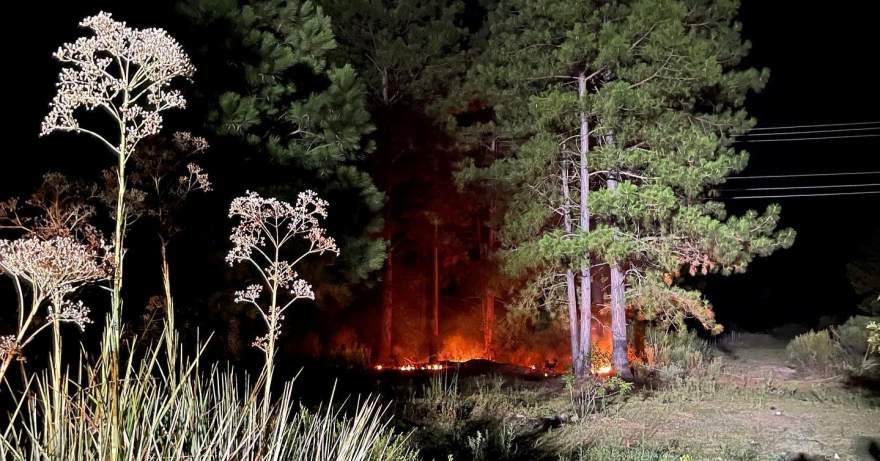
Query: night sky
x=823 y=70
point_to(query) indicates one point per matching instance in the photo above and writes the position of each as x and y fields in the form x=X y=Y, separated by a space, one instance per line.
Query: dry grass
x=745 y=404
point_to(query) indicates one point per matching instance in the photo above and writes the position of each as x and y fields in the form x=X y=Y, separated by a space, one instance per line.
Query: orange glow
x=457 y=348
x=604 y=370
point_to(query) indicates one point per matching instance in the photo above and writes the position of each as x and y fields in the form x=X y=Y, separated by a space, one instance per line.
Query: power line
x=787 y=133
x=828 y=186
x=807 y=139
x=823 y=125
x=805 y=175
x=828 y=194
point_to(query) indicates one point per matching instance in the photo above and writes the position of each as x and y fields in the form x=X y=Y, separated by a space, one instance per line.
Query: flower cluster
x=249 y=294
x=266 y=225
x=71 y=312
x=262 y=342
x=123 y=70
x=187 y=142
x=269 y=221
x=302 y=289
x=196 y=180
x=55 y=267
x=9 y=348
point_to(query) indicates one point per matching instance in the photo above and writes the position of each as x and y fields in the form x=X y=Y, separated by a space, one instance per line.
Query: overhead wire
x=818 y=138
x=829 y=194
x=824 y=186
x=806 y=175
x=821 y=125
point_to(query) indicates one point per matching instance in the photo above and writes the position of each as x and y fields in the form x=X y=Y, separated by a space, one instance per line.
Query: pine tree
x=407 y=52
x=290 y=100
x=663 y=96
x=864 y=275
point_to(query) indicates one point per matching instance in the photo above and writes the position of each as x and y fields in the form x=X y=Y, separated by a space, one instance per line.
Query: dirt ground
x=757 y=408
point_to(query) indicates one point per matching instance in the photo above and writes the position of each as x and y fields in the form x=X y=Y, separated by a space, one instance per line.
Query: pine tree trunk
x=387 y=307
x=489 y=327
x=385 y=349
x=619 y=358
x=435 y=318
x=571 y=295
x=489 y=317
x=586 y=313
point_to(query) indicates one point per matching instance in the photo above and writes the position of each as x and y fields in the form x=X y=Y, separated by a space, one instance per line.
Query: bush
x=853 y=336
x=680 y=349
x=593 y=395
x=815 y=350
x=874 y=336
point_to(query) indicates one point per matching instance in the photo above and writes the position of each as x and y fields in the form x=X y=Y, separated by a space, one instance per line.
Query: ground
x=746 y=403
x=757 y=405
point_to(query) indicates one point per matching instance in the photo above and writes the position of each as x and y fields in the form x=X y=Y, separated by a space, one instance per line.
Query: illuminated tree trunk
x=489 y=309
x=571 y=295
x=585 y=312
x=619 y=358
x=388 y=283
x=387 y=306
x=435 y=318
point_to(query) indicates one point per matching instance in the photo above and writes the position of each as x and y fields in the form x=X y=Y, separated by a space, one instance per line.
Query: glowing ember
x=604 y=370
x=411 y=367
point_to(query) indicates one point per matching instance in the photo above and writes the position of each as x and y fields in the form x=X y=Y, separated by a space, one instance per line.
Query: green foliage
x=679 y=349
x=852 y=336
x=441 y=393
x=815 y=350
x=664 y=97
x=408 y=52
x=873 y=329
x=864 y=275
x=477 y=445
x=294 y=105
x=594 y=395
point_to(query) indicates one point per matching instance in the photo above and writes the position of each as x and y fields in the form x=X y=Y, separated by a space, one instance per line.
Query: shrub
x=815 y=350
x=853 y=336
x=680 y=349
x=592 y=395
x=873 y=329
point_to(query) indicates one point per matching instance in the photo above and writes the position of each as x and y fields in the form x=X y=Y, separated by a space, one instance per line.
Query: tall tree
x=288 y=97
x=666 y=101
x=864 y=275
x=540 y=166
x=662 y=80
x=407 y=52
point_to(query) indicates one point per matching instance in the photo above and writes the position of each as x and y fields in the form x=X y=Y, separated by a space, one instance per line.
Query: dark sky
x=823 y=69
x=822 y=58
